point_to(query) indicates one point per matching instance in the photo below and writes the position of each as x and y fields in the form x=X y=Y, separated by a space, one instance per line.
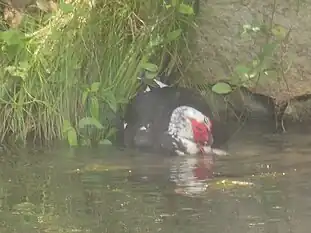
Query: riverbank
x=259 y=45
x=245 y=107
x=67 y=69
x=53 y=91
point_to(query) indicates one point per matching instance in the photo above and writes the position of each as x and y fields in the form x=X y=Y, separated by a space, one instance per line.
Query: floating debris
x=98 y=168
x=235 y=182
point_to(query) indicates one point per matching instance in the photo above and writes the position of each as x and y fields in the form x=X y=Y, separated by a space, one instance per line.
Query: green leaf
x=113 y=105
x=72 y=137
x=84 y=96
x=12 y=37
x=173 y=35
x=90 y=121
x=24 y=65
x=167 y=6
x=279 y=32
x=66 y=126
x=150 y=67
x=111 y=100
x=222 y=88
x=185 y=9
x=150 y=75
x=111 y=132
x=66 y=7
x=95 y=86
x=94 y=107
x=105 y=142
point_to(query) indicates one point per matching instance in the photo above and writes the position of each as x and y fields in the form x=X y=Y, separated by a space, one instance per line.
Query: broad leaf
x=94 y=107
x=66 y=126
x=95 y=86
x=84 y=96
x=222 y=88
x=279 y=32
x=150 y=75
x=72 y=137
x=150 y=67
x=185 y=9
x=12 y=37
x=105 y=142
x=90 y=121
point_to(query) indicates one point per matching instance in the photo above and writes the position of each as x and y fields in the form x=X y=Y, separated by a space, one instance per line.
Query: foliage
x=221 y=88
x=263 y=65
x=66 y=74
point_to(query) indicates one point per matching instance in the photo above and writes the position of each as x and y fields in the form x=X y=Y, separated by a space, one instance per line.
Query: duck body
x=167 y=120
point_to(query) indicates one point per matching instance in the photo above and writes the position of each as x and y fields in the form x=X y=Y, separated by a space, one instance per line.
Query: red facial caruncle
x=202 y=134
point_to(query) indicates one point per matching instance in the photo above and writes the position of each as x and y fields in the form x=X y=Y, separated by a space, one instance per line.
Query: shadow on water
x=105 y=190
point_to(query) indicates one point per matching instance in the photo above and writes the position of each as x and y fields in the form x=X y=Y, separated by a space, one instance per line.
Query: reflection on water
x=264 y=186
x=191 y=174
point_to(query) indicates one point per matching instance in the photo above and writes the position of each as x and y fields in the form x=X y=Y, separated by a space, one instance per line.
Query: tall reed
x=75 y=67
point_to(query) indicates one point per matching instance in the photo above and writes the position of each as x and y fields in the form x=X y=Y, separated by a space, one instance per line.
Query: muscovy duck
x=172 y=120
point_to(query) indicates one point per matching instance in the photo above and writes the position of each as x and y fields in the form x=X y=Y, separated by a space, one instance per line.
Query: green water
x=104 y=190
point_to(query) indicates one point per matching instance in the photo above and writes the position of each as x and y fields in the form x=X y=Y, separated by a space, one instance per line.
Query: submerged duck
x=169 y=120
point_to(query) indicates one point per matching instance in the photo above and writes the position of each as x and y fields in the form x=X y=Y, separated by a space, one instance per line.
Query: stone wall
x=220 y=48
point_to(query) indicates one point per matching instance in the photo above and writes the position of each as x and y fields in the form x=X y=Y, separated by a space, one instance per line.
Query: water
x=104 y=190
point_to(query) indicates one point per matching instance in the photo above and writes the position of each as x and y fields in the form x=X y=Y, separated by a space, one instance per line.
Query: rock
x=220 y=46
x=244 y=106
x=295 y=110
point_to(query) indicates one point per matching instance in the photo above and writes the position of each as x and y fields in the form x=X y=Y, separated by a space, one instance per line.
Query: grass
x=74 y=68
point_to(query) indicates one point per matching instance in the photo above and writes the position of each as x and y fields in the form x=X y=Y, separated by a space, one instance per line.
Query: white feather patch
x=180 y=128
x=180 y=124
x=143 y=128
x=160 y=84
x=147 y=89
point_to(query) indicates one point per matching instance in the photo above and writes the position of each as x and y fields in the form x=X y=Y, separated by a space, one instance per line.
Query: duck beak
x=205 y=149
x=215 y=151
x=219 y=152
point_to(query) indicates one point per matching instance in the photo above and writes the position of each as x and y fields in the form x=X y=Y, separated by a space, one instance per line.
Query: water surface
x=105 y=190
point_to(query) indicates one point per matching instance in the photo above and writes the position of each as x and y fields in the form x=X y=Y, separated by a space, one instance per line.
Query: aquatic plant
x=66 y=73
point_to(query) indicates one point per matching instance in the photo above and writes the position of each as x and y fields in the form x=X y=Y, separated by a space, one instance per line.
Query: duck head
x=191 y=131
